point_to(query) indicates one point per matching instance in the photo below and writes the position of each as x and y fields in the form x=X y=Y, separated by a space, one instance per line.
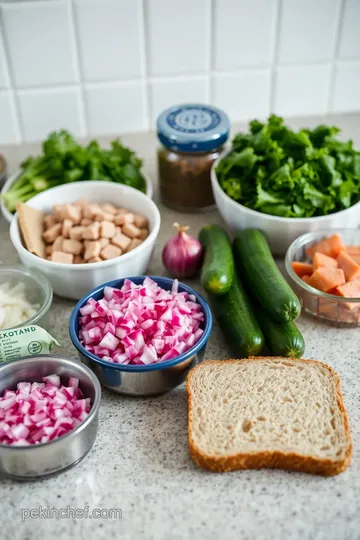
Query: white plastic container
x=280 y=232
x=75 y=280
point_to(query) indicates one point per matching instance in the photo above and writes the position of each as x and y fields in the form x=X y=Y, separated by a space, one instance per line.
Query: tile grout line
x=335 y=57
x=77 y=69
x=173 y=78
x=145 y=67
x=210 y=51
x=19 y=130
x=275 y=54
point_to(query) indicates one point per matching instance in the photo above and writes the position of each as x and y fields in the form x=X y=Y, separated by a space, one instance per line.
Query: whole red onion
x=182 y=254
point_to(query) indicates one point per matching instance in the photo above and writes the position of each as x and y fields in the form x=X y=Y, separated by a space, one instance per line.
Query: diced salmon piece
x=353 y=250
x=355 y=258
x=330 y=246
x=61 y=257
x=323 y=260
x=305 y=278
x=349 y=266
x=302 y=269
x=328 y=309
x=351 y=289
x=333 y=291
x=78 y=259
x=94 y=259
x=325 y=278
x=131 y=230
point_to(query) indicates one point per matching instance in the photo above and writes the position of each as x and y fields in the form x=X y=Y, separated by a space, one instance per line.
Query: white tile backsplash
x=242 y=38
x=110 y=66
x=307 y=30
x=4 y=78
x=177 y=36
x=38 y=42
x=109 y=38
x=8 y=130
x=350 y=34
x=301 y=90
x=43 y=111
x=243 y=96
x=346 y=95
x=115 y=108
x=163 y=94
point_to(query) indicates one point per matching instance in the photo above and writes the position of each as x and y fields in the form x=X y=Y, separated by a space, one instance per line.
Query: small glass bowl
x=37 y=289
x=337 y=310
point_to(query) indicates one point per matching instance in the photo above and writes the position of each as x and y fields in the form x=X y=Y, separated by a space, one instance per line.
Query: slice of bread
x=263 y=412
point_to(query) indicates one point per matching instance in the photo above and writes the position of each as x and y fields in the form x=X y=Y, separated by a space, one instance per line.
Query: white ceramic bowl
x=8 y=215
x=280 y=232
x=75 y=280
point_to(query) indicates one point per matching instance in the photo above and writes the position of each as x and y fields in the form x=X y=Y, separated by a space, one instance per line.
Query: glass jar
x=192 y=138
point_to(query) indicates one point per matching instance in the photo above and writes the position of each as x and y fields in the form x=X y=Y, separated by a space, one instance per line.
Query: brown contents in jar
x=185 y=179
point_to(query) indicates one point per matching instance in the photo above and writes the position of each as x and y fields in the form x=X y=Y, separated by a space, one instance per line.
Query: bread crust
x=269 y=459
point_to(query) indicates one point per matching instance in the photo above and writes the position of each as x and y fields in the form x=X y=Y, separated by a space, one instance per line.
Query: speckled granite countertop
x=140 y=461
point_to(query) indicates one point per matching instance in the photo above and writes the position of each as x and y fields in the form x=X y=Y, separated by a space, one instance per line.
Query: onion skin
x=182 y=254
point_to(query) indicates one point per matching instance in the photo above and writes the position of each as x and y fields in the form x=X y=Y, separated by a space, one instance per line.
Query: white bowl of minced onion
x=25 y=297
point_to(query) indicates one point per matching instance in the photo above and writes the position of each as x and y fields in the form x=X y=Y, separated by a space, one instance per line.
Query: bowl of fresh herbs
x=288 y=182
x=63 y=160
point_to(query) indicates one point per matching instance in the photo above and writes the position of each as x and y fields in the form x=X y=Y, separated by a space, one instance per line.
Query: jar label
x=193 y=120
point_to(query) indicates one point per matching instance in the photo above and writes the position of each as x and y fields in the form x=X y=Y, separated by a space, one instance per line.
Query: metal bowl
x=31 y=462
x=147 y=380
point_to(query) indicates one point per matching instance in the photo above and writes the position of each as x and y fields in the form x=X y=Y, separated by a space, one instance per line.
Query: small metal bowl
x=149 y=379
x=44 y=459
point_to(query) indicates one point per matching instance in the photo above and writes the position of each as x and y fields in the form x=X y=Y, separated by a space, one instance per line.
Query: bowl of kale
x=288 y=182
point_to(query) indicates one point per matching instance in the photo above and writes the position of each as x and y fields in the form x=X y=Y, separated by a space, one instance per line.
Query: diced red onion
x=39 y=412
x=141 y=324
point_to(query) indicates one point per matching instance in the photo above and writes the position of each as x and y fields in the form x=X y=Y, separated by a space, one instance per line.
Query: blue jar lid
x=193 y=127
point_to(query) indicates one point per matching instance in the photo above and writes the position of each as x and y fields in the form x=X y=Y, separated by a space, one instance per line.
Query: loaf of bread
x=263 y=412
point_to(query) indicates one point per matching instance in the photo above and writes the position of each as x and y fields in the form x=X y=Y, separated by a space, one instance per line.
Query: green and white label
x=25 y=341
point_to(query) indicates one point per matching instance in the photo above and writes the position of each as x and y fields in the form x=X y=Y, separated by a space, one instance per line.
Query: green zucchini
x=283 y=339
x=218 y=269
x=236 y=319
x=263 y=278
